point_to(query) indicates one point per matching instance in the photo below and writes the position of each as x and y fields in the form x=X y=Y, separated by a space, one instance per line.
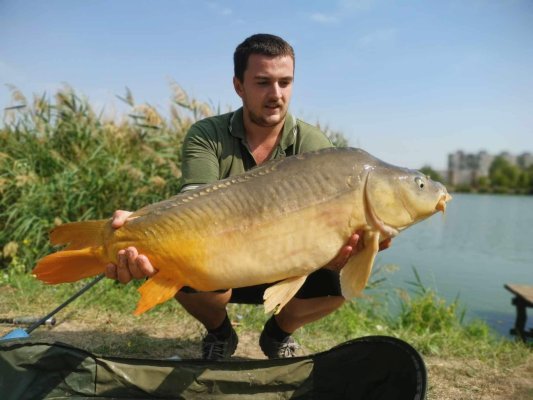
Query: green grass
x=464 y=360
x=430 y=324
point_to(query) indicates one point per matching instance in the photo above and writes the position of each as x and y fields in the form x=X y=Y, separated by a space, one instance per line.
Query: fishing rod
x=22 y=333
x=26 y=321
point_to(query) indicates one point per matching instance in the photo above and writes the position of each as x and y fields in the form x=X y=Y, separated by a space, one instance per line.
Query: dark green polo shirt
x=215 y=147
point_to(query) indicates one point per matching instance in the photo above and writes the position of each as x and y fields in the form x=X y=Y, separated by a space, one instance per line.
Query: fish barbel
x=275 y=223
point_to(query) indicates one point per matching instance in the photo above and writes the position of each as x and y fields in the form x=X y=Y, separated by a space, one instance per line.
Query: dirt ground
x=456 y=379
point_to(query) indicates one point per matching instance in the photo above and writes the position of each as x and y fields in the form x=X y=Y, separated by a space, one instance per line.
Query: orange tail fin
x=70 y=265
x=79 y=234
x=83 y=257
x=156 y=290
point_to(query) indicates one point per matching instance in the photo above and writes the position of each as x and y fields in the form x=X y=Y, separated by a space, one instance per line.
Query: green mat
x=374 y=367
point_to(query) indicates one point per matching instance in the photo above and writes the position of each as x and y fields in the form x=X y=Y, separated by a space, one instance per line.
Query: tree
x=483 y=183
x=504 y=174
x=428 y=171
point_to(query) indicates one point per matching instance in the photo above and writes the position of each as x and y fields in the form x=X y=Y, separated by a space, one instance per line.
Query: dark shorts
x=320 y=283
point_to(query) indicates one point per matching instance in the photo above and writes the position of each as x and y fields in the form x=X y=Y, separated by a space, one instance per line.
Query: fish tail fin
x=79 y=235
x=70 y=265
x=82 y=258
x=156 y=290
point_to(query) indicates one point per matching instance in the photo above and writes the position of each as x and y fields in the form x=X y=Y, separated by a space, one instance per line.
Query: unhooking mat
x=374 y=367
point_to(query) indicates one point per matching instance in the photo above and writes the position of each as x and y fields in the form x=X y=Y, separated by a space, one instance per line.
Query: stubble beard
x=263 y=122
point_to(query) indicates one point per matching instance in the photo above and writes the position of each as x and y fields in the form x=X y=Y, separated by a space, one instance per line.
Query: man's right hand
x=131 y=264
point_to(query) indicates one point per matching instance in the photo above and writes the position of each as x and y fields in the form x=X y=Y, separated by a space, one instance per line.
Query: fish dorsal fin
x=356 y=272
x=156 y=290
x=278 y=295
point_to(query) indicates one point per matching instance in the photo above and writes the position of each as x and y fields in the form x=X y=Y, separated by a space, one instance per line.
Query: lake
x=470 y=252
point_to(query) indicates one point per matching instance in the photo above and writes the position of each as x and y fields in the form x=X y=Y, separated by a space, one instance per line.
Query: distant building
x=467 y=168
x=464 y=168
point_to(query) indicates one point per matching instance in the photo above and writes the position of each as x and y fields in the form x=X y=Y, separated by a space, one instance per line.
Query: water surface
x=481 y=243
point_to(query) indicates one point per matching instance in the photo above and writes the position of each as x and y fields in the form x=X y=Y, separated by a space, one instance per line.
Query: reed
x=60 y=162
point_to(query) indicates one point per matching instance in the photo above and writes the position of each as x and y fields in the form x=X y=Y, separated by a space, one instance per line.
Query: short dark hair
x=260 y=43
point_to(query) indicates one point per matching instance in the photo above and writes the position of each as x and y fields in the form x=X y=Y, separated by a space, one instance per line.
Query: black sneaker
x=274 y=349
x=214 y=348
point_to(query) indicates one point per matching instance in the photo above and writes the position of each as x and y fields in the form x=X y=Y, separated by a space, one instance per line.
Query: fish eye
x=420 y=182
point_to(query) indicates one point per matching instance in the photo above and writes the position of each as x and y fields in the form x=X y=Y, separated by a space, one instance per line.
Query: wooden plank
x=523 y=291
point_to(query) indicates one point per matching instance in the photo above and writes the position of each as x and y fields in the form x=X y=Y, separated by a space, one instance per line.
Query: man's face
x=266 y=89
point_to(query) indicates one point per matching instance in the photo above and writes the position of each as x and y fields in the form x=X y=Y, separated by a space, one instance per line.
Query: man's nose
x=275 y=90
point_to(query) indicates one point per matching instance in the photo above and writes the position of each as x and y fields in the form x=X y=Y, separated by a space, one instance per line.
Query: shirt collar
x=288 y=135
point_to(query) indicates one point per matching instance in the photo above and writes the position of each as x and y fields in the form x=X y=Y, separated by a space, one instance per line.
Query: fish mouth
x=441 y=205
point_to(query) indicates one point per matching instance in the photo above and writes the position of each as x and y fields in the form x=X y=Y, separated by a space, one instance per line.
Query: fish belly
x=256 y=251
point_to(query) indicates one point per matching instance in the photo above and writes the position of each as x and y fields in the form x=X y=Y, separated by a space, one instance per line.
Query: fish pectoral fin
x=356 y=272
x=278 y=295
x=156 y=290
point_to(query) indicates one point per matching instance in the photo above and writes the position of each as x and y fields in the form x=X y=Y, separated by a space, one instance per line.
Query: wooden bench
x=523 y=299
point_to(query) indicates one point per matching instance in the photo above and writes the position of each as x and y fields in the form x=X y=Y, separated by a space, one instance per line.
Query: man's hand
x=131 y=264
x=353 y=245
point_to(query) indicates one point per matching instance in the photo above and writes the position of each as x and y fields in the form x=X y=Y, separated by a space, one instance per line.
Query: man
x=229 y=144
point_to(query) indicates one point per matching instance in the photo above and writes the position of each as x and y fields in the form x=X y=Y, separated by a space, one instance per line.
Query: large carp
x=275 y=223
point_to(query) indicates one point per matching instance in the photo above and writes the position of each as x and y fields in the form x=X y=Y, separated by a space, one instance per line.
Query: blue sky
x=409 y=81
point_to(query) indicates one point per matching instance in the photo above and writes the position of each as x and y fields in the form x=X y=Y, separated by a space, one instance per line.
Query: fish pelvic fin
x=70 y=265
x=79 y=235
x=278 y=295
x=156 y=290
x=355 y=274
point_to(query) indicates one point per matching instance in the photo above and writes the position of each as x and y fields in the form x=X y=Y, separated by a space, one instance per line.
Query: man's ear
x=237 y=84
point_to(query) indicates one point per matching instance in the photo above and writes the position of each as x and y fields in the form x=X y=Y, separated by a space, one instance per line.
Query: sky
x=408 y=81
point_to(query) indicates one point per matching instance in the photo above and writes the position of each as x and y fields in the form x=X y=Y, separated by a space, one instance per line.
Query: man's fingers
x=119 y=217
x=133 y=263
x=360 y=242
x=385 y=244
x=130 y=265
x=353 y=240
x=123 y=275
x=344 y=253
x=123 y=272
x=131 y=255
x=343 y=256
x=145 y=266
x=111 y=271
x=121 y=259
